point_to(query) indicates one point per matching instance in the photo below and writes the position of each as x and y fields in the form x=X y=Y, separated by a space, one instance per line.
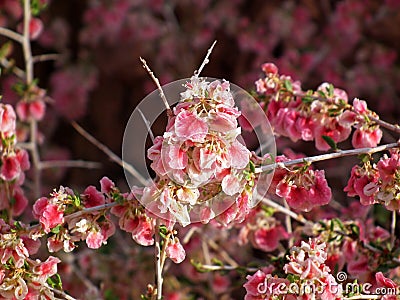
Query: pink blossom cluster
x=20 y=276
x=377 y=183
x=302 y=187
x=62 y=217
x=14 y=161
x=262 y=230
x=199 y=159
x=347 y=245
x=305 y=268
x=315 y=115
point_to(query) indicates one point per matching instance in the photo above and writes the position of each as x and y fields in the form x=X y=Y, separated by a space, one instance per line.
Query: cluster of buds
x=199 y=160
x=323 y=115
x=377 y=183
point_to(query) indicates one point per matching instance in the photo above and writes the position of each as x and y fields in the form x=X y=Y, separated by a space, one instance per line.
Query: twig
x=322 y=157
x=69 y=164
x=223 y=253
x=128 y=167
x=26 y=49
x=157 y=254
x=8 y=65
x=147 y=123
x=393 y=230
x=366 y=297
x=205 y=61
x=61 y=293
x=288 y=222
x=157 y=82
x=227 y=268
x=11 y=35
x=284 y=210
x=395 y=128
x=45 y=57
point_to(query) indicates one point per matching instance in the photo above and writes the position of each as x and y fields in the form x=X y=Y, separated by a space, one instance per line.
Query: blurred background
x=97 y=78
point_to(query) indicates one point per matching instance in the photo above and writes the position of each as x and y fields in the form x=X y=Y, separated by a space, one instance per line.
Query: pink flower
x=7 y=118
x=231 y=185
x=269 y=68
x=189 y=126
x=107 y=185
x=49 y=214
x=366 y=138
x=144 y=232
x=10 y=168
x=92 y=197
x=267 y=239
x=37 y=109
x=239 y=155
x=362 y=184
x=176 y=252
x=47 y=268
x=253 y=283
x=95 y=239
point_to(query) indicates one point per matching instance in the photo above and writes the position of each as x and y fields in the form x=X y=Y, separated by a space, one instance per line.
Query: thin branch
x=69 y=164
x=157 y=82
x=8 y=65
x=11 y=35
x=227 y=268
x=147 y=123
x=157 y=254
x=61 y=293
x=45 y=57
x=285 y=210
x=322 y=157
x=128 y=167
x=393 y=230
x=395 y=128
x=288 y=222
x=205 y=61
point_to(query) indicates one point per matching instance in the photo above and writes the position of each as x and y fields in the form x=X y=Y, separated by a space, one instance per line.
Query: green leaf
x=5 y=50
x=365 y=157
x=55 y=282
x=330 y=89
x=307 y=99
x=330 y=142
x=56 y=229
x=252 y=167
x=288 y=85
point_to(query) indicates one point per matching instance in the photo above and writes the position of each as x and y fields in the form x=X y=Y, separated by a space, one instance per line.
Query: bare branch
x=69 y=164
x=11 y=35
x=128 y=167
x=157 y=82
x=322 y=157
x=205 y=61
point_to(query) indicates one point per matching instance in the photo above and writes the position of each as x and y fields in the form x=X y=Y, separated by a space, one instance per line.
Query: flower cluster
x=64 y=230
x=377 y=183
x=20 y=276
x=262 y=230
x=323 y=115
x=199 y=159
x=301 y=186
x=14 y=161
x=307 y=277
